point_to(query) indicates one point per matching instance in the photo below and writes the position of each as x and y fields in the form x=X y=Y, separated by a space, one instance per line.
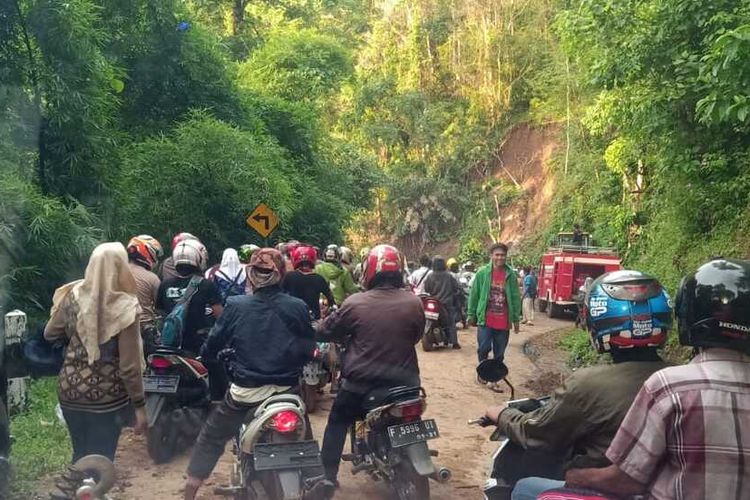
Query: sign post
x=263 y=220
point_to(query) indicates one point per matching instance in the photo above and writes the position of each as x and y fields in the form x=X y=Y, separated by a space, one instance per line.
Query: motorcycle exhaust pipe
x=442 y=475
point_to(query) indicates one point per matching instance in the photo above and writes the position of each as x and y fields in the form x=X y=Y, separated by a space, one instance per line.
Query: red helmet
x=145 y=249
x=381 y=259
x=302 y=255
x=180 y=237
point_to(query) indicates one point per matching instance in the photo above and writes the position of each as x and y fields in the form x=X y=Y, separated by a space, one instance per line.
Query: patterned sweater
x=109 y=383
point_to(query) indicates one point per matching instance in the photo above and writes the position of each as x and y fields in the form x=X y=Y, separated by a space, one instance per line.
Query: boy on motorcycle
x=583 y=415
x=338 y=277
x=442 y=285
x=271 y=319
x=304 y=283
x=381 y=327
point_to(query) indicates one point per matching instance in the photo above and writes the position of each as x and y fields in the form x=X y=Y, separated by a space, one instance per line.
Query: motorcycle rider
x=190 y=258
x=271 y=319
x=380 y=328
x=685 y=436
x=167 y=270
x=347 y=259
x=584 y=413
x=416 y=280
x=443 y=286
x=304 y=283
x=339 y=279
x=144 y=252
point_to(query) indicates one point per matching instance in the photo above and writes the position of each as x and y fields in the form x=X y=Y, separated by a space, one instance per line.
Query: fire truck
x=564 y=269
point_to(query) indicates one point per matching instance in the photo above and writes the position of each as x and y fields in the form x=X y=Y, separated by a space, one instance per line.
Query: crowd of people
x=686 y=431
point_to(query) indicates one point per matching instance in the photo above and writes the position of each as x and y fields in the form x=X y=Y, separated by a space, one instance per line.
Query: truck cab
x=564 y=268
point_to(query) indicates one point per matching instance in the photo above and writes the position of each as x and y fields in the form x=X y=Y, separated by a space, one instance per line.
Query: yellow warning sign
x=263 y=220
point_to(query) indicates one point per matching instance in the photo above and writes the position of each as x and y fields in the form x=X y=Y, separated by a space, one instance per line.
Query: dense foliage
x=382 y=120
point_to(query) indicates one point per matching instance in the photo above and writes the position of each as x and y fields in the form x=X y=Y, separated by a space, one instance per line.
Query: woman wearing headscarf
x=101 y=377
x=272 y=339
x=230 y=277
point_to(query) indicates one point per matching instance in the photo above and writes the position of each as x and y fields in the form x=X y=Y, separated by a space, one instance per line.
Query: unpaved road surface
x=453 y=398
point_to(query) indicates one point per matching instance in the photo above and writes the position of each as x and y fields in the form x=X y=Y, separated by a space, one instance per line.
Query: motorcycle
x=271 y=449
x=434 y=331
x=511 y=462
x=315 y=375
x=390 y=444
x=177 y=401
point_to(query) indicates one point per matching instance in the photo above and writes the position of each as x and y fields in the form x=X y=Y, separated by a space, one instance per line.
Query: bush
x=580 y=351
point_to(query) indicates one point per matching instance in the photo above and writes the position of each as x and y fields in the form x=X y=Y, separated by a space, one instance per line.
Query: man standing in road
x=529 y=295
x=494 y=304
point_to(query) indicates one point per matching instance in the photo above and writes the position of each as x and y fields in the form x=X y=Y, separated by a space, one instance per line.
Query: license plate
x=293 y=455
x=414 y=432
x=432 y=316
x=163 y=384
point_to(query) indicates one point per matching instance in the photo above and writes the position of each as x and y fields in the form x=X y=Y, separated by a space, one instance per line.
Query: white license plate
x=432 y=316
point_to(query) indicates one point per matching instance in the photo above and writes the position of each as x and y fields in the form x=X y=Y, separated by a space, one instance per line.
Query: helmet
x=347 y=256
x=451 y=263
x=304 y=254
x=381 y=259
x=145 y=249
x=190 y=253
x=713 y=306
x=179 y=237
x=627 y=309
x=468 y=266
x=245 y=252
x=332 y=253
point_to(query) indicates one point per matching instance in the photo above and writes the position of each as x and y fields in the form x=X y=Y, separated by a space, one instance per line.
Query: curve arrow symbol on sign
x=266 y=220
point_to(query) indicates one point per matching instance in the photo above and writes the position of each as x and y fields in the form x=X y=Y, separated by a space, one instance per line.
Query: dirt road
x=453 y=398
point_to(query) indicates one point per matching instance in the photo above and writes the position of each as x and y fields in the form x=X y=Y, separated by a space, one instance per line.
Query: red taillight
x=431 y=306
x=285 y=422
x=199 y=368
x=160 y=363
x=409 y=410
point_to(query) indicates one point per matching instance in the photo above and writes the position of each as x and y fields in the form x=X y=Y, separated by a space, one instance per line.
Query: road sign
x=263 y=220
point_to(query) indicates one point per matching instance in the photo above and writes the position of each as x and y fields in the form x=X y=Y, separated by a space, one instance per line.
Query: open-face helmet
x=347 y=256
x=332 y=254
x=381 y=259
x=304 y=256
x=246 y=251
x=145 y=250
x=713 y=306
x=627 y=310
x=191 y=253
x=179 y=237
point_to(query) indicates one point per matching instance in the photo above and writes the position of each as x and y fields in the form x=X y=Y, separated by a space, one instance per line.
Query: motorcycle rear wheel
x=428 y=339
x=161 y=439
x=408 y=485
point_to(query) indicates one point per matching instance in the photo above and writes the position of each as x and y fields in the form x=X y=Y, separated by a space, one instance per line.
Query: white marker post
x=15 y=330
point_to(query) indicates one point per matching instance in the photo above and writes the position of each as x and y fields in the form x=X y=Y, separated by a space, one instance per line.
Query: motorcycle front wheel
x=409 y=485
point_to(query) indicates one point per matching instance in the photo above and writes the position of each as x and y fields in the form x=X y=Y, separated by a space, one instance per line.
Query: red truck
x=564 y=269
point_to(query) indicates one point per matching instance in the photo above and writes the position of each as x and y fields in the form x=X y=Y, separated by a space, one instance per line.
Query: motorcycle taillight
x=408 y=410
x=160 y=363
x=431 y=306
x=285 y=422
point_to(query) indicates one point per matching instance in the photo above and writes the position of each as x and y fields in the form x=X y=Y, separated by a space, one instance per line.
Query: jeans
x=529 y=487
x=223 y=424
x=449 y=322
x=95 y=433
x=489 y=339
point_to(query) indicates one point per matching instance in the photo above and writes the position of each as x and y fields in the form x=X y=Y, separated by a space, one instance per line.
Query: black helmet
x=713 y=306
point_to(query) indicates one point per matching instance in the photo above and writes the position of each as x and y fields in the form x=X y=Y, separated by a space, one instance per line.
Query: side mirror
x=492 y=370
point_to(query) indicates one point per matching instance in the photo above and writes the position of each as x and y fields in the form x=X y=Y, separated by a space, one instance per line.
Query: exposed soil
x=453 y=398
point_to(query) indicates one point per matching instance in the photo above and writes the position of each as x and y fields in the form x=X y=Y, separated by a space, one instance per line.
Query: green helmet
x=246 y=251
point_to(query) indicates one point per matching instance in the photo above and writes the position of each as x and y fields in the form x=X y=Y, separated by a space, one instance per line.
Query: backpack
x=228 y=287
x=173 y=330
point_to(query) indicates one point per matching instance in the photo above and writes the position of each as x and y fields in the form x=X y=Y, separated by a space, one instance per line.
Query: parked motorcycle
x=391 y=443
x=434 y=331
x=316 y=375
x=271 y=450
x=177 y=401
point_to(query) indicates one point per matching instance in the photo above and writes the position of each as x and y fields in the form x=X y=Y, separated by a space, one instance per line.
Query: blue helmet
x=627 y=310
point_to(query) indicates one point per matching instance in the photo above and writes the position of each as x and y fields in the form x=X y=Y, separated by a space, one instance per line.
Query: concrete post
x=15 y=331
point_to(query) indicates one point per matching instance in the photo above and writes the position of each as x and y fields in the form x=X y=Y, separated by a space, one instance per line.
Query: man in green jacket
x=494 y=304
x=339 y=279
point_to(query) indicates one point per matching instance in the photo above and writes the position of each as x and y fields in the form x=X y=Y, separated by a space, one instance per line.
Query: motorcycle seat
x=162 y=349
x=388 y=395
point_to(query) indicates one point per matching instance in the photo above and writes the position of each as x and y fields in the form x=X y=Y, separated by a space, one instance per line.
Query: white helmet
x=190 y=253
x=347 y=256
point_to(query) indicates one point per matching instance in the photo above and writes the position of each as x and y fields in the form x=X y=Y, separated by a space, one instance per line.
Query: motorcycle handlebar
x=481 y=421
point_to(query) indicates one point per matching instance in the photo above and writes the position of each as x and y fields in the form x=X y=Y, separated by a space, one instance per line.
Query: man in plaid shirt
x=687 y=434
